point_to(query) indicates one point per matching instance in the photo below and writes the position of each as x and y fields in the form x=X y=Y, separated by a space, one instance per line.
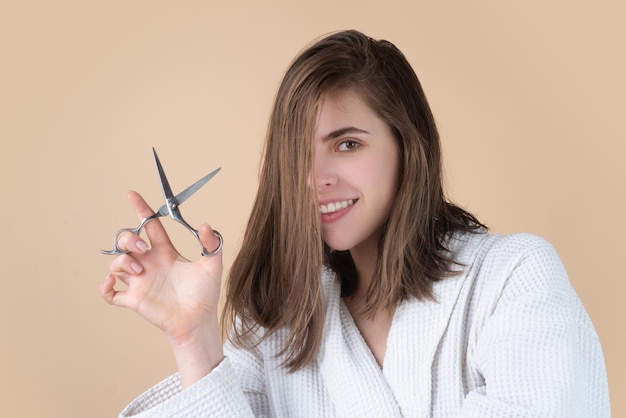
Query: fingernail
x=142 y=245
x=136 y=267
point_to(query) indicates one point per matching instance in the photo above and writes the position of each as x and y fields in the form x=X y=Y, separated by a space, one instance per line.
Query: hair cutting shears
x=171 y=208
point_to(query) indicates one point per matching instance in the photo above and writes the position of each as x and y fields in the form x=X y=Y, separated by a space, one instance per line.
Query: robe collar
x=355 y=382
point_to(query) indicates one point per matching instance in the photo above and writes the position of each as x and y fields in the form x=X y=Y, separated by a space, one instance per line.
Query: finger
x=109 y=294
x=127 y=241
x=125 y=264
x=154 y=229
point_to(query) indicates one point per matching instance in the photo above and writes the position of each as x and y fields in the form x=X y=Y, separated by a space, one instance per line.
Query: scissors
x=171 y=208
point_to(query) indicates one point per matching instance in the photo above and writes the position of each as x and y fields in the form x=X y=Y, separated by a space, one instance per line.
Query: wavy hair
x=275 y=280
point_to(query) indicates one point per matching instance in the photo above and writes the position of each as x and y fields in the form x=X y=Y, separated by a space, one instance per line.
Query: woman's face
x=356 y=170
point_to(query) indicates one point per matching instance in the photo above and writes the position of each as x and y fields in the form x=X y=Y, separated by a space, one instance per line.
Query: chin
x=338 y=246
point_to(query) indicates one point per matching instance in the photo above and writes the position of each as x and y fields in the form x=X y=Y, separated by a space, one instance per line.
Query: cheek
x=387 y=171
x=389 y=182
x=381 y=179
x=395 y=167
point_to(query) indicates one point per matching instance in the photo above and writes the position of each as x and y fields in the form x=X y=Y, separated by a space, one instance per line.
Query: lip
x=328 y=218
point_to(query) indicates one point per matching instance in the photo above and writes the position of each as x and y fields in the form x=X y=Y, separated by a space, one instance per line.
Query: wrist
x=197 y=354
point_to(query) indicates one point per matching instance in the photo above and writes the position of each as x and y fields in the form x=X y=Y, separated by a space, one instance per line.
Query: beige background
x=529 y=97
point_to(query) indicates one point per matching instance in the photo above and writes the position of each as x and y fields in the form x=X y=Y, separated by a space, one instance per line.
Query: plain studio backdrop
x=529 y=98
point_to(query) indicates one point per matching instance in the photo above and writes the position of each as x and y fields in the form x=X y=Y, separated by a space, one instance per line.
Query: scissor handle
x=205 y=252
x=175 y=214
x=116 y=250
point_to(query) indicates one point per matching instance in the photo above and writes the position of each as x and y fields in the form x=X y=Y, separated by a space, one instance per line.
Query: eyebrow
x=343 y=131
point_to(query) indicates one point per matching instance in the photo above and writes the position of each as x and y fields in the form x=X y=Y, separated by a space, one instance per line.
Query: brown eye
x=348 y=145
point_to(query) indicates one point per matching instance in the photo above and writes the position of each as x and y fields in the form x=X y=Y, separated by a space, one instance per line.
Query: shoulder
x=520 y=277
x=519 y=308
x=481 y=245
x=500 y=260
x=518 y=271
x=530 y=263
x=521 y=247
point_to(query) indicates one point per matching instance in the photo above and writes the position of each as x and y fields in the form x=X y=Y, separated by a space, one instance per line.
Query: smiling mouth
x=336 y=206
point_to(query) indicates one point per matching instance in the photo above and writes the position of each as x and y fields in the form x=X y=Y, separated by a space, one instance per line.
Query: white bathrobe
x=508 y=337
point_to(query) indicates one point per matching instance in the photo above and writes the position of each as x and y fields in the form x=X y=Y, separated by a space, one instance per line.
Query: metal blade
x=182 y=196
x=165 y=185
x=163 y=210
x=186 y=194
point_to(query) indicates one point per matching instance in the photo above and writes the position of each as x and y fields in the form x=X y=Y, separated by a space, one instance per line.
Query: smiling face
x=356 y=170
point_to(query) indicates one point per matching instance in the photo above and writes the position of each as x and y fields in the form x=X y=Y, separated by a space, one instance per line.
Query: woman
x=359 y=289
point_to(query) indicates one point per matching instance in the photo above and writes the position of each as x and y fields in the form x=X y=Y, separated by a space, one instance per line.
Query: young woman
x=360 y=290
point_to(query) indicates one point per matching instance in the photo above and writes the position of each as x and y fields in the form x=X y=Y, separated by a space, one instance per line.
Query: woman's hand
x=177 y=296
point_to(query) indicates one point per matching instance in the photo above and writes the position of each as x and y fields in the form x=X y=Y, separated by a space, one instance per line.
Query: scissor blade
x=165 y=185
x=185 y=194
x=163 y=210
x=189 y=191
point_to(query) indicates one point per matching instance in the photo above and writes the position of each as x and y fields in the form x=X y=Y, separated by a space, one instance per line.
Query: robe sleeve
x=538 y=351
x=233 y=389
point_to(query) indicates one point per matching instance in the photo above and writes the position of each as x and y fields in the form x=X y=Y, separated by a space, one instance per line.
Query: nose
x=324 y=173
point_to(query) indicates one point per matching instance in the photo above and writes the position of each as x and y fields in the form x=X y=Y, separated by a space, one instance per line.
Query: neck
x=365 y=259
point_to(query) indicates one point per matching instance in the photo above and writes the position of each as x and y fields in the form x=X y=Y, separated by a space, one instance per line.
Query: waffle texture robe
x=508 y=337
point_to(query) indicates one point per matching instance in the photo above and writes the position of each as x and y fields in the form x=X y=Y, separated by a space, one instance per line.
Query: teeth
x=336 y=206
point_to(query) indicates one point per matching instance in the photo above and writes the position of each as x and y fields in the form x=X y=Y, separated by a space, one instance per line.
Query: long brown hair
x=275 y=279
